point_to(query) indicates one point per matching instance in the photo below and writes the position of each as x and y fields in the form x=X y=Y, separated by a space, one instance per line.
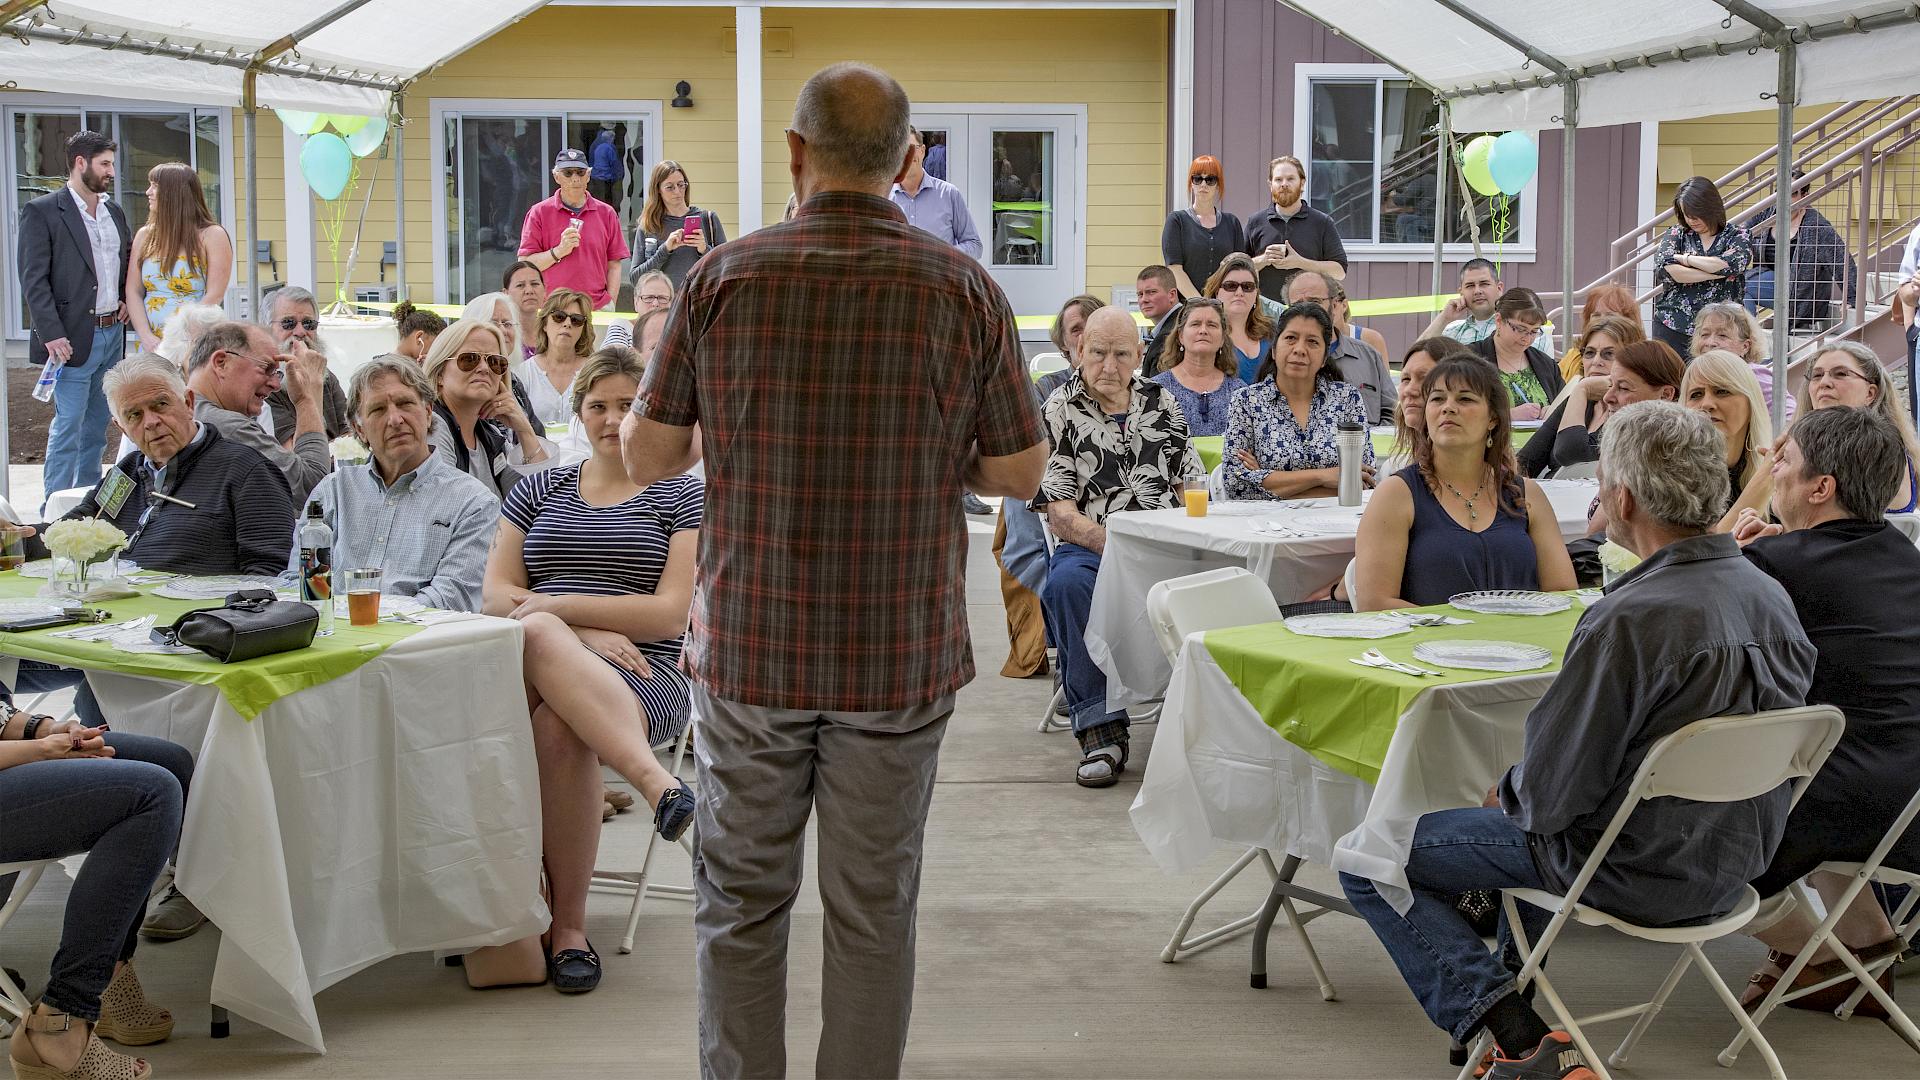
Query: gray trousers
x=761 y=773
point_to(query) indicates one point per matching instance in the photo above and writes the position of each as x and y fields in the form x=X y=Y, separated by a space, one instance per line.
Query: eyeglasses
x=1238 y=286
x=273 y=370
x=568 y=317
x=656 y=300
x=1519 y=327
x=1204 y=178
x=470 y=360
x=308 y=324
x=673 y=185
x=1838 y=375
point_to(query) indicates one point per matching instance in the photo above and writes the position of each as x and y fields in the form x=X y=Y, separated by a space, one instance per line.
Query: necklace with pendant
x=1472 y=514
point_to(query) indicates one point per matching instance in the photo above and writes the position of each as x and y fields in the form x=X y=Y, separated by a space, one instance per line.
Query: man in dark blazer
x=74 y=247
x=1159 y=302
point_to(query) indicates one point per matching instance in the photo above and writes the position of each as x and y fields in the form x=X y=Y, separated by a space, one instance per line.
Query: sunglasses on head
x=1237 y=286
x=1205 y=302
x=568 y=317
x=1206 y=178
x=308 y=324
x=470 y=360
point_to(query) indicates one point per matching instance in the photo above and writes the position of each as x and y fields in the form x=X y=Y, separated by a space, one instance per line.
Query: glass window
x=1023 y=193
x=1371 y=166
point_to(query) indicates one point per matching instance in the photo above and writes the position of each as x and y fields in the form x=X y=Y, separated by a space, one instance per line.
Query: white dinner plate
x=1334 y=522
x=1359 y=624
x=28 y=607
x=1511 y=602
x=212 y=588
x=1483 y=655
x=1590 y=597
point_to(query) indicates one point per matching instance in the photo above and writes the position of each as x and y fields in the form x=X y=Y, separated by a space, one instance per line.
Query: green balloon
x=368 y=139
x=1474 y=165
x=301 y=123
x=347 y=125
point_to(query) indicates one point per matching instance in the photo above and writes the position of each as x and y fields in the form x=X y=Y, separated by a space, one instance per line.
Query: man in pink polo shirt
x=574 y=238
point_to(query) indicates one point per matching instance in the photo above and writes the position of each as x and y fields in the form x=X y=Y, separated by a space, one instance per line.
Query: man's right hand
x=1456 y=308
x=306 y=373
x=60 y=349
x=569 y=239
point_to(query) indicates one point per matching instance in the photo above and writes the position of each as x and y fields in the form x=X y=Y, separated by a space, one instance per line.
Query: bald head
x=850 y=121
x=1114 y=327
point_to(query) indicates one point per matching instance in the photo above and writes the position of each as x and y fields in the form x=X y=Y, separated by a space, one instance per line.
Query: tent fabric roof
x=380 y=44
x=1435 y=43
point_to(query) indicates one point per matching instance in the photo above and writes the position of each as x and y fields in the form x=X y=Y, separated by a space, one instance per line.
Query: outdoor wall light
x=681 y=89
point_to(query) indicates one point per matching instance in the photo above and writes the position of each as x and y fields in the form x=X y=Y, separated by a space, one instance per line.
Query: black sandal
x=674 y=812
x=1114 y=767
x=574 y=971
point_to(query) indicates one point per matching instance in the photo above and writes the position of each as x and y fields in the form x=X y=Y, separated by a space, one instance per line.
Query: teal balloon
x=326 y=163
x=1473 y=165
x=1513 y=161
x=301 y=123
x=368 y=139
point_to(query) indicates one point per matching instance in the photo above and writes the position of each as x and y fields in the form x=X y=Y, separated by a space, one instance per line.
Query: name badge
x=113 y=491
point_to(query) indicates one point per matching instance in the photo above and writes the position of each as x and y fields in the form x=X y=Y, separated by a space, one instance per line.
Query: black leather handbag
x=254 y=623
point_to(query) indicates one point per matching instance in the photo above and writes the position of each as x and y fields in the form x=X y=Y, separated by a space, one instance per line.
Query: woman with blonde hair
x=672 y=233
x=565 y=342
x=181 y=255
x=1847 y=374
x=1236 y=284
x=1733 y=328
x=1196 y=238
x=480 y=425
x=1721 y=387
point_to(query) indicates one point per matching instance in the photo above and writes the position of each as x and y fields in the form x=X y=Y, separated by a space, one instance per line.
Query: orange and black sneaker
x=1556 y=1058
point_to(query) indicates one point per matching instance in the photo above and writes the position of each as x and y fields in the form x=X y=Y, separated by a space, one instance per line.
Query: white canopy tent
x=1521 y=64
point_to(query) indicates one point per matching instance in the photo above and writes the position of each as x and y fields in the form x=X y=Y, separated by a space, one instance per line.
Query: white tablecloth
x=395 y=809
x=1219 y=774
x=1150 y=546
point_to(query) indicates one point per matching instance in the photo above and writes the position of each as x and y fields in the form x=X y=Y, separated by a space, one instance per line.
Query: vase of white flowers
x=1615 y=561
x=77 y=547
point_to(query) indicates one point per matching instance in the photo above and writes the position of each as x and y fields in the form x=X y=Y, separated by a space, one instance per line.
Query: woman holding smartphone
x=673 y=233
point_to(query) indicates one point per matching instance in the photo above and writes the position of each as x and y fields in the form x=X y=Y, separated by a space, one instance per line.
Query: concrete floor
x=1041 y=923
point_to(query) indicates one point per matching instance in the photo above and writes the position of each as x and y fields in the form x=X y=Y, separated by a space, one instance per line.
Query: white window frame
x=650 y=112
x=1522 y=250
x=10 y=101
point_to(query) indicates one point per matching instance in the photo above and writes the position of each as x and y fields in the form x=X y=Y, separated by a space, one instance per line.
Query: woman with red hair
x=1197 y=238
x=1603 y=300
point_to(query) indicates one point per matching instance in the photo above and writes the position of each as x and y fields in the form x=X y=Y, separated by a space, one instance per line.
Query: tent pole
x=1782 y=212
x=252 y=252
x=1569 y=131
x=398 y=148
x=1440 y=200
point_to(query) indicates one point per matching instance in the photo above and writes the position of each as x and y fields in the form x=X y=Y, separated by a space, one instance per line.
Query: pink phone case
x=691 y=224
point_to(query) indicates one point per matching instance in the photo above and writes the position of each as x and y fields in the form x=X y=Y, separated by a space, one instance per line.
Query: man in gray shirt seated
x=410 y=512
x=232 y=370
x=1694 y=631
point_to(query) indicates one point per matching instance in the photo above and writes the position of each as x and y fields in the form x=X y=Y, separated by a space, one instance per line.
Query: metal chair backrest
x=1213 y=600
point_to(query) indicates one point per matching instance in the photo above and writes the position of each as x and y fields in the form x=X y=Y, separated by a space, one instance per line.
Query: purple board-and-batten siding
x=1243 y=113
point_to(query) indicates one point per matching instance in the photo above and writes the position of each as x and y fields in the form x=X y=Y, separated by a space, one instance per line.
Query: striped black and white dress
x=576 y=549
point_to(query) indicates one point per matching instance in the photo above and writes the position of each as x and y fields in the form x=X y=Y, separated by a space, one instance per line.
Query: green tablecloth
x=1210 y=448
x=1342 y=713
x=249 y=687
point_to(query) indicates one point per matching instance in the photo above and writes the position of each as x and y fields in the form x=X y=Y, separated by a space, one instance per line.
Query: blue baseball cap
x=570 y=159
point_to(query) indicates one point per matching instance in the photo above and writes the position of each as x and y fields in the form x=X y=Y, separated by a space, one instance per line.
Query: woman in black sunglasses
x=1196 y=238
x=564 y=342
x=478 y=423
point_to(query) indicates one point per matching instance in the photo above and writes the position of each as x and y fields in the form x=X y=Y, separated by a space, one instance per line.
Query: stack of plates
x=213 y=588
x=1483 y=655
x=1360 y=624
x=1511 y=602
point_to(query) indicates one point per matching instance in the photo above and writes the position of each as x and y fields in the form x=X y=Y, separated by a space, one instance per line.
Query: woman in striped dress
x=600 y=574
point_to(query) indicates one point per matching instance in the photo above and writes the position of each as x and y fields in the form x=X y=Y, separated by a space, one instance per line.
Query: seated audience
x=1602 y=300
x=600 y=574
x=1694 y=631
x=1119 y=443
x=1281 y=430
x=1733 y=328
x=1847 y=373
x=1160 y=303
x=1721 y=385
x=1855 y=581
x=647 y=331
x=1069 y=325
x=1199 y=370
x=293 y=316
x=1531 y=376
x=526 y=287
x=417 y=328
x=652 y=295
x=482 y=428
x=565 y=341
x=1571 y=433
x=500 y=309
x=1468 y=317
x=232 y=371
x=1249 y=328
x=1461 y=518
x=1357 y=363
x=66 y=789
x=1822 y=278
x=1410 y=405
x=408 y=511
x=1647 y=370
x=185 y=327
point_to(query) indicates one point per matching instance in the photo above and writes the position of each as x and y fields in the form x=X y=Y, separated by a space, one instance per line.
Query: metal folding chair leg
x=1280 y=901
x=641 y=884
x=1181 y=943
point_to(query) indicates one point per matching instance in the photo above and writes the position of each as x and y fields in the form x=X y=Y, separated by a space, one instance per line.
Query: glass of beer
x=13 y=547
x=363 y=596
x=1196 y=502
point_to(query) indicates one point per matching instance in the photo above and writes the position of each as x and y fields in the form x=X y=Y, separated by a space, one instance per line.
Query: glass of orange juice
x=1196 y=502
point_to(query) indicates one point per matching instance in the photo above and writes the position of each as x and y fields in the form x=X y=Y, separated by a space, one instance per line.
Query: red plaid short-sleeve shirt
x=841 y=367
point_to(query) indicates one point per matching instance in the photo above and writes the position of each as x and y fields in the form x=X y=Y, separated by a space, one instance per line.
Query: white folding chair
x=641 y=884
x=13 y=999
x=1217 y=482
x=1046 y=363
x=1906 y=920
x=1214 y=600
x=1718 y=760
x=1583 y=470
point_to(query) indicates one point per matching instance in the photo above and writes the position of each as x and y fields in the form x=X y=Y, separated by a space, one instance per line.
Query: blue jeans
x=78 y=437
x=1024 y=553
x=124 y=812
x=38 y=677
x=1066 y=599
x=1443 y=961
